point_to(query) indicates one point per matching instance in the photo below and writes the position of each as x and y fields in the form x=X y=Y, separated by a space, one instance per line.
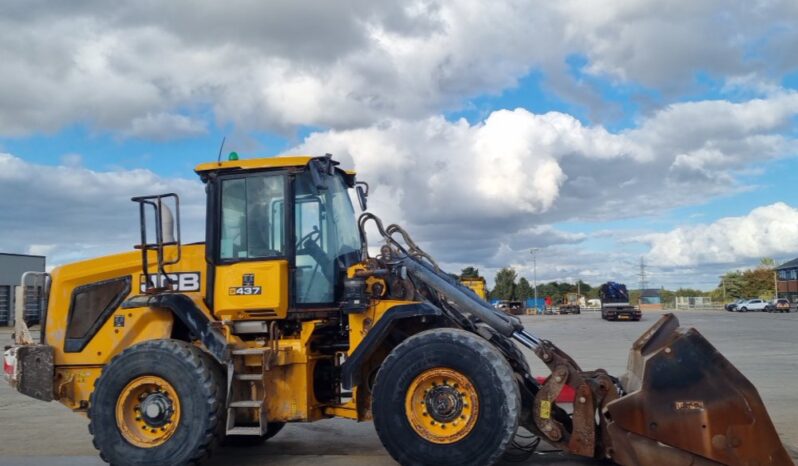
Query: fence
x=694 y=302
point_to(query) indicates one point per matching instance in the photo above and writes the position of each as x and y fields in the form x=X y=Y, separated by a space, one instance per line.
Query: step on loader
x=283 y=315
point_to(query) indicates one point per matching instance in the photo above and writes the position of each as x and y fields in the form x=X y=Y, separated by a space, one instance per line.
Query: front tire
x=446 y=397
x=156 y=403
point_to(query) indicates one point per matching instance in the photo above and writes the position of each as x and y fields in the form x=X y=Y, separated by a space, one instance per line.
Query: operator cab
x=280 y=234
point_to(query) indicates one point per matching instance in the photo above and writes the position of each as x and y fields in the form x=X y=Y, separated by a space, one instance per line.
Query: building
x=12 y=266
x=650 y=300
x=787 y=280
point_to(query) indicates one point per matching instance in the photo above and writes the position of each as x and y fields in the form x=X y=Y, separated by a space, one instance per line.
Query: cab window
x=252 y=217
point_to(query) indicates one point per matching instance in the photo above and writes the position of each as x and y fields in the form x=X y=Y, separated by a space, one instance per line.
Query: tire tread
x=202 y=369
x=502 y=370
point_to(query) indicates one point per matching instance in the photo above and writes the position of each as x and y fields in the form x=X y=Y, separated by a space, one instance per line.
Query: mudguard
x=350 y=370
x=185 y=309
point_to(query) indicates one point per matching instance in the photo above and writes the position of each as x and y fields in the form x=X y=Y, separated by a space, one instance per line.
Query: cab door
x=251 y=273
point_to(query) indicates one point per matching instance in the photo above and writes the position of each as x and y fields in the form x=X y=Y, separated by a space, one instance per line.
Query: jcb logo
x=182 y=281
x=247 y=287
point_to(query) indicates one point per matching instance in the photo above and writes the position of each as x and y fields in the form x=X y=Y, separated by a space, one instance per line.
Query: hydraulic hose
x=505 y=324
x=431 y=275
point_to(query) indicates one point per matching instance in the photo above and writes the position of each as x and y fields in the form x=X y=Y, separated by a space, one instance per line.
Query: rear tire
x=476 y=397
x=182 y=429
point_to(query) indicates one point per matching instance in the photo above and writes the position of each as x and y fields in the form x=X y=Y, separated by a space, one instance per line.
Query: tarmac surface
x=761 y=345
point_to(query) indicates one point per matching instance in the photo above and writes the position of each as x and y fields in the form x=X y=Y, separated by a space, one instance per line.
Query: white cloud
x=118 y=67
x=42 y=249
x=482 y=193
x=72 y=160
x=69 y=213
x=766 y=231
x=469 y=189
x=379 y=75
x=164 y=127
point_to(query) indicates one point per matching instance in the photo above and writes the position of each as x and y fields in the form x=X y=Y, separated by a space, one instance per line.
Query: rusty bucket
x=686 y=404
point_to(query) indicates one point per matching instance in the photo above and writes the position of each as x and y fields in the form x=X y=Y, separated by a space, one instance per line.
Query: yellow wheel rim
x=442 y=405
x=148 y=411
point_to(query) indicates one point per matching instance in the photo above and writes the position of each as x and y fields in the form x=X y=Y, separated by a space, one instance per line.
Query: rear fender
x=189 y=312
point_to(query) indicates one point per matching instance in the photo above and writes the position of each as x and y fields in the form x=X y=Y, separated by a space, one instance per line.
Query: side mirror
x=362 y=189
x=167 y=224
x=320 y=169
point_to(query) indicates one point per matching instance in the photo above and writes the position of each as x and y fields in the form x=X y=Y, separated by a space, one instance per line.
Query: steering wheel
x=313 y=236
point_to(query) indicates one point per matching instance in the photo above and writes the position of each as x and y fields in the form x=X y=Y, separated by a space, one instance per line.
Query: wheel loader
x=476 y=284
x=285 y=313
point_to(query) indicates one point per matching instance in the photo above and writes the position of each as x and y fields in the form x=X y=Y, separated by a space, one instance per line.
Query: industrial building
x=12 y=266
x=650 y=300
x=787 y=274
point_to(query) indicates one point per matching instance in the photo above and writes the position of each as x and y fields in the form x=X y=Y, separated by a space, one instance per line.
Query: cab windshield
x=327 y=238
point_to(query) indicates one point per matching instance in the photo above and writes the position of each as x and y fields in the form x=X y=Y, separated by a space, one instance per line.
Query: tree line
x=757 y=282
x=509 y=286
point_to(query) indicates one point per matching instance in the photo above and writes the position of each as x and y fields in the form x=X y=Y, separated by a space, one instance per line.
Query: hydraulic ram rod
x=467 y=301
x=527 y=339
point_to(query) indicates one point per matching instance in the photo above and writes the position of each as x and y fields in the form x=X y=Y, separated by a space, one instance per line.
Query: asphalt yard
x=761 y=345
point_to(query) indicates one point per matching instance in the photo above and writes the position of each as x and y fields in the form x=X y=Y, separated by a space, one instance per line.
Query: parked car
x=753 y=305
x=778 y=305
x=515 y=308
x=732 y=307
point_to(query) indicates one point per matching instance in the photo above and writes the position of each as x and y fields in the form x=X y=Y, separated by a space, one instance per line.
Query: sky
x=598 y=132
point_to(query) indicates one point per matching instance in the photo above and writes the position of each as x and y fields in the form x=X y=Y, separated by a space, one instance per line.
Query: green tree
x=469 y=272
x=524 y=290
x=690 y=292
x=733 y=284
x=768 y=262
x=584 y=288
x=667 y=297
x=505 y=284
x=549 y=289
x=751 y=283
x=759 y=283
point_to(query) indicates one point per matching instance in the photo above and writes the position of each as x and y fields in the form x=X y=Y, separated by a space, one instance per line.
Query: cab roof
x=280 y=161
x=258 y=163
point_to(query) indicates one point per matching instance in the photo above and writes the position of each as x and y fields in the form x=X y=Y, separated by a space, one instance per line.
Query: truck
x=515 y=308
x=615 y=303
x=570 y=304
x=756 y=304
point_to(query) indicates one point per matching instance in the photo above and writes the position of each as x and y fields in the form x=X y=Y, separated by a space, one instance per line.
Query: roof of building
x=793 y=264
x=650 y=293
x=21 y=255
